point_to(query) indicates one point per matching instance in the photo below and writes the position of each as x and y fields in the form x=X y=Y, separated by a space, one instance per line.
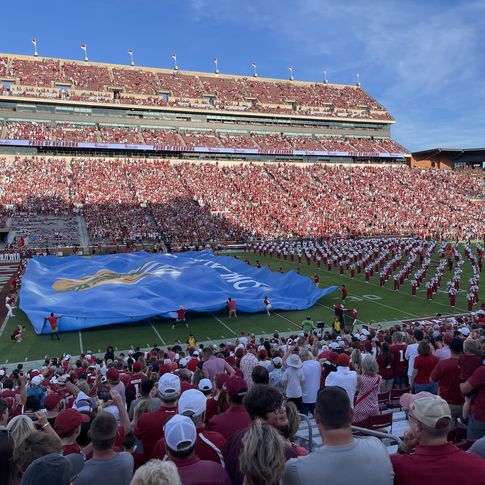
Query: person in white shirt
x=313 y=373
x=344 y=377
x=412 y=350
x=294 y=379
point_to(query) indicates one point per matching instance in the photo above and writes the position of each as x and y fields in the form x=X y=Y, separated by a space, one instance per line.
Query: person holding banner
x=267 y=305
x=181 y=317
x=231 y=306
x=54 y=324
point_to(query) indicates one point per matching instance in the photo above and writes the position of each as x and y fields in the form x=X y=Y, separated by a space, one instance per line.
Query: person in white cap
x=149 y=427
x=433 y=458
x=294 y=379
x=210 y=444
x=180 y=441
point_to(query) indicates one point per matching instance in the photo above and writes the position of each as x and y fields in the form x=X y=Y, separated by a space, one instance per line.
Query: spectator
x=105 y=461
x=312 y=371
x=476 y=420
x=423 y=366
x=212 y=365
x=262 y=457
x=157 y=472
x=368 y=385
x=180 y=439
x=434 y=459
x=236 y=417
x=20 y=428
x=248 y=362
x=277 y=375
x=68 y=426
x=53 y=468
x=342 y=459
x=149 y=427
x=447 y=375
x=344 y=377
x=146 y=388
x=290 y=431
x=412 y=351
x=260 y=375
x=385 y=360
x=262 y=402
x=7 y=469
x=294 y=378
x=400 y=364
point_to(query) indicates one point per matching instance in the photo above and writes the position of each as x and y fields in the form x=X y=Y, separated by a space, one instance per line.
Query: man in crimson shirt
x=434 y=461
x=181 y=317
x=447 y=375
x=209 y=444
x=149 y=427
x=476 y=422
x=399 y=363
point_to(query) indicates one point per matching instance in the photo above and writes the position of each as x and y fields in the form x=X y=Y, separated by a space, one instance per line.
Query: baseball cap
x=447 y=338
x=205 y=385
x=113 y=374
x=430 y=411
x=407 y=398
x=464 y=331
x=54 y=468
x=343 y=359
x=236 y=386
x=36 y=380
x=278 y=361
x=51 y=401
x=137 y=366
x=180 y=433
x=68 y=420
x=192 y=400
x=169 y=384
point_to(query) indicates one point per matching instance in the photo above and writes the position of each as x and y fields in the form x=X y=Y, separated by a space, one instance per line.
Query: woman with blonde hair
x=144 y=406
x=157 y=472
x=293 y=424
x=262 y=457
x=368 y=385
x=356 y=360
x=20 y=428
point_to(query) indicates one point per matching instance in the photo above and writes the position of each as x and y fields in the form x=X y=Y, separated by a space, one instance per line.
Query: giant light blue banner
x=122 y=288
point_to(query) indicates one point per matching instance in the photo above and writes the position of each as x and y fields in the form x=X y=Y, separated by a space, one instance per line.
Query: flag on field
x=83 y=47
x=34 y=42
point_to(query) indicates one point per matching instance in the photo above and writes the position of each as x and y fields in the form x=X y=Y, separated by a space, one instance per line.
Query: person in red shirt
x=54 y=324
x=231 y=306
x=344 y=293
x=209 y=444
x=236 y=417
x=424 y=365
x=68 y=426
x=181 y=441
x=434 y=461
x=149 y=427
x=181 y=317
x=400 y=363
x=476 y=421
x=447 y=375
x=385 y=360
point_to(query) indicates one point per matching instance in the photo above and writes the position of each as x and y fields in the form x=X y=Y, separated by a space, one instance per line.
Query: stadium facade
x=55 y=106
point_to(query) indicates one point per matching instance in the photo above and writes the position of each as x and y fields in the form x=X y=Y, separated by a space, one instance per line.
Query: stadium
x=289 y=196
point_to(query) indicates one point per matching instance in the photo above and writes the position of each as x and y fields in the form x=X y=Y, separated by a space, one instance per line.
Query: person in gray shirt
x=145 y=388
x=342 y=459
x=106 y=465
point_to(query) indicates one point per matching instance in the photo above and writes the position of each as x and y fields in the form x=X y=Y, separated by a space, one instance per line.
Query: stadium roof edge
x=451 y=150
x=180 y=71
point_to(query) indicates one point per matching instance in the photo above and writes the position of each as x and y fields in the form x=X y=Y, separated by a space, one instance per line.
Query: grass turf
x=374 y=304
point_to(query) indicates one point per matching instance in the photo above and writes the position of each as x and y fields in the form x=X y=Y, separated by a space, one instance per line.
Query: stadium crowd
x=228 y=413
x=54 y=78
x=131 y=200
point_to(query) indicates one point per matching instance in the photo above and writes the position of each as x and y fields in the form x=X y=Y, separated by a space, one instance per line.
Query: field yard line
x=222 y=323
x=156 y=331
x=392 y=308
x=81 y=342
x=287 y=319
x=4 y=324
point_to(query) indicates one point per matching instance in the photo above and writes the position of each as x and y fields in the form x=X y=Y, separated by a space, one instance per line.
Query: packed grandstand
x=120 y=158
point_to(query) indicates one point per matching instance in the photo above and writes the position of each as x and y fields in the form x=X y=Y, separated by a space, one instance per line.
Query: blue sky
x=424 y=60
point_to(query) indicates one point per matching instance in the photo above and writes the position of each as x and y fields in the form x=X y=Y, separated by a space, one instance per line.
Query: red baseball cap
x=333 y=357
x=68 y=420
x=239 y=352
x=51 y=401
x=137 y=366
x=343 y=359
x=263 y=353
x=231 y=360
x=236 y=386
x=113 y=374
x=447 y=338
x=221 y=379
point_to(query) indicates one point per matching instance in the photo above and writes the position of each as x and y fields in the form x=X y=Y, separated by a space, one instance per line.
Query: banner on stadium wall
x=183 y=148
x=102 y=290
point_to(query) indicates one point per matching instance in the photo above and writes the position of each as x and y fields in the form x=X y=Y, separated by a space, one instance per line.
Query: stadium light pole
x=290 y=68
x=325 y=80
x=255 y=74
x=34 y=43
x=174 y=57
x=130 y=52
x=216 y=70
x=358 y=80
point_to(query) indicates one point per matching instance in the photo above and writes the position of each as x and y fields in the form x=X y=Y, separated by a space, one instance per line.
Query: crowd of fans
x=228 y=413
x=130 y=200
x=185 y=90
x=267 y=141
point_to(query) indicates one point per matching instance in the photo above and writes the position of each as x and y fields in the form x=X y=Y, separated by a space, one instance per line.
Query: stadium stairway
x=83 y=231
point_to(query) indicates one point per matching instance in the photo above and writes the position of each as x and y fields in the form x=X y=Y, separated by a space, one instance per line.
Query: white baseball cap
x=205 y=385
x=183 y=362
x=37 y=380
x=180 y=433
x=169 y=384
x=193 y=401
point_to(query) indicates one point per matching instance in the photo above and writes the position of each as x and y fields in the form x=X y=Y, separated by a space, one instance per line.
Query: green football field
x=373 y=303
